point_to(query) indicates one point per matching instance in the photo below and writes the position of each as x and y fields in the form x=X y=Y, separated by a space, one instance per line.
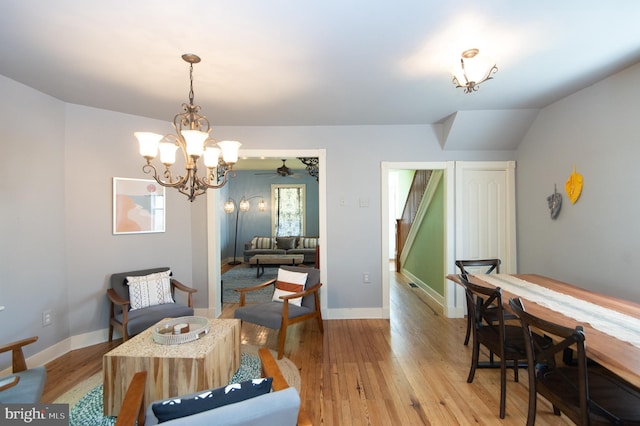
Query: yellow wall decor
x=574 y=186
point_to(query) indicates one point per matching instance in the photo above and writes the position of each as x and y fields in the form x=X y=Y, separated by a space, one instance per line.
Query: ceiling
x=346 y=62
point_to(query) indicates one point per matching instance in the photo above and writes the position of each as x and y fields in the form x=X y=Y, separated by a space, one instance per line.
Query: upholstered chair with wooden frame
x=131 y=322
x=279 y=315
x=278 y=407
x=24 y=385
x=587 y=393
x=505 y=341
x=487 y=266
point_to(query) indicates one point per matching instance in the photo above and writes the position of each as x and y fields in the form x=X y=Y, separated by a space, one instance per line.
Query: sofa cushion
x=141 y=319
x=209 y=399
x=253 y=252
x=289 y=282
x=149 y=290
x=269 y=314
x=286 y=243
x=263 y=243
x=308 y=242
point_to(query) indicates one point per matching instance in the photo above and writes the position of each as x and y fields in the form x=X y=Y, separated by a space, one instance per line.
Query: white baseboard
x=357 y=313
x=428 y=290
x=92 y=338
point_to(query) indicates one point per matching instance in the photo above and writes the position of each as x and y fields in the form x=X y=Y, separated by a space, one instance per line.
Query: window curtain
x=288 y=211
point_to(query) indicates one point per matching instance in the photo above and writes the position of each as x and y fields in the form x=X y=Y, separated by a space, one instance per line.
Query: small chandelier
x=473 y=72
x=192 y=137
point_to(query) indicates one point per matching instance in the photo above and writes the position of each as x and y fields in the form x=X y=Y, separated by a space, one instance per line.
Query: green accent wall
x=426 y=258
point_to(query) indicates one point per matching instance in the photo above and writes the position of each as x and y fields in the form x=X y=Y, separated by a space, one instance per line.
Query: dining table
x=611 y=325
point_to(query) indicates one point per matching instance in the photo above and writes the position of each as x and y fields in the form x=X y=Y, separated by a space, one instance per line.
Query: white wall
x=99 y=146
x=56 y=211
x=32 y=223
x=594 y=243
x=354 y=156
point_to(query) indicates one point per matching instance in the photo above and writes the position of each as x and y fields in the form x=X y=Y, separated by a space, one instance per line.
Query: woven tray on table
x=164 y=333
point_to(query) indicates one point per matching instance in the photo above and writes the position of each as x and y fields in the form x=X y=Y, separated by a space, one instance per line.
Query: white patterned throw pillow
x=149 y=290
x=289 y=282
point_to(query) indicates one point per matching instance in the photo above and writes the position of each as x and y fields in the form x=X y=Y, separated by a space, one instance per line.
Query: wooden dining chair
x=485 y=266
x=586 y=393
x=505 y=341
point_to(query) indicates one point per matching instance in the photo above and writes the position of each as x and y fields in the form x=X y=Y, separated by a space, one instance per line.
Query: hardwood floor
x=409 y=370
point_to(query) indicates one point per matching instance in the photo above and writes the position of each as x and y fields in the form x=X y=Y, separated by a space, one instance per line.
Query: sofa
x=282 y=245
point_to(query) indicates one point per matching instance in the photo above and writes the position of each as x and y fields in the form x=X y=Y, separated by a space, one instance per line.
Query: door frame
x=213 y=224
x=454 y=298
x=453 y=306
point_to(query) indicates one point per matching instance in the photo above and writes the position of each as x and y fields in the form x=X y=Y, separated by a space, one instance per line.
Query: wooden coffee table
x=260 y=260
x=172 y=370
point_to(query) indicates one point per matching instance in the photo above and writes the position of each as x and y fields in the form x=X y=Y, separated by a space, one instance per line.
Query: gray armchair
x=280 y=315
x=25 y=385
x=132 y=322
x=281 y=406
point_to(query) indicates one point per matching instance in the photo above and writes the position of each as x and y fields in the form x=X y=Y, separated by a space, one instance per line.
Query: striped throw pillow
x=305 y=242
x=262 y=243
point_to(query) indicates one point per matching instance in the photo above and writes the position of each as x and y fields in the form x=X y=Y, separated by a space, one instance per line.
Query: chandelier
x=473 y=72
x=192 y=137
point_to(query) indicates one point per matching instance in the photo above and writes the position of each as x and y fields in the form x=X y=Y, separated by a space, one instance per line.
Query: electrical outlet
x=46 y=318
x=365 y=277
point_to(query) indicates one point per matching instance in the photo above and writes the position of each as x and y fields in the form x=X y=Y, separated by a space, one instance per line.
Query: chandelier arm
x=150 y=168
x=487 y=76
x=225 y=178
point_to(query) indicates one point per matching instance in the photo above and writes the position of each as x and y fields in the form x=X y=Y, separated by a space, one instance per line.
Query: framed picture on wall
x=138 y=206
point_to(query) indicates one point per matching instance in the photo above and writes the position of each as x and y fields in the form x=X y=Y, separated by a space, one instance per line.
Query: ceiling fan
x=283 y=170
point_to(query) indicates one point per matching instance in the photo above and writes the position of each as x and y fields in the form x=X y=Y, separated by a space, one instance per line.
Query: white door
x=485 y=212
x=485 y=215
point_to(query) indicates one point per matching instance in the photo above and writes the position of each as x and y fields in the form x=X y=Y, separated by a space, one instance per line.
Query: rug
x=87 y=411
x=244 y=276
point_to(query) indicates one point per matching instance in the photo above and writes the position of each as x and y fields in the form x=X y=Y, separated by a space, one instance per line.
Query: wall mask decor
x=574 y=186
x=555 y=203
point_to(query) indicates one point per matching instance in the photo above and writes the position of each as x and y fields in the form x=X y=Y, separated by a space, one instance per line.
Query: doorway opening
x=388 y=227
x=215 y=200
